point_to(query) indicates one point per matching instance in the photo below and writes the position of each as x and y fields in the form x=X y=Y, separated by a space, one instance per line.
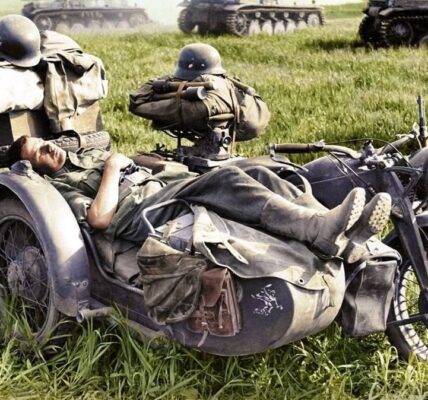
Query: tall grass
x=319 y=84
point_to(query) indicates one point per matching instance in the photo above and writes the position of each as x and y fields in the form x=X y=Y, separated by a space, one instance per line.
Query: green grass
x=319 y=84
x=345 y=10
x=10 y=6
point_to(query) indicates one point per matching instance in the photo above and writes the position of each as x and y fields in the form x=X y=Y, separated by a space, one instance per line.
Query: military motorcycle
x=53 y=268
x=404 y=177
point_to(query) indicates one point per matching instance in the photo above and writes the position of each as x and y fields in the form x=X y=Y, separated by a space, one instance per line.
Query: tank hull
x=247 y=19
x=54 y=16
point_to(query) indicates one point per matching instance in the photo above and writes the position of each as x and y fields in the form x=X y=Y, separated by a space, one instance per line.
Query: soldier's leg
x=234 y=194
x=282 y=187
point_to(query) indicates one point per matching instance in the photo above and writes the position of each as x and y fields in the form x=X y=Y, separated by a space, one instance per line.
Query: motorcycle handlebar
x=394 y=146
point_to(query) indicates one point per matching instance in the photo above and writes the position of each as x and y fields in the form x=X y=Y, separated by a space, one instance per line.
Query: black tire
x=99 y=140
x=410 y=339
x=185 y=22
x=368 y=32
x=397 y=32
x=26 y=295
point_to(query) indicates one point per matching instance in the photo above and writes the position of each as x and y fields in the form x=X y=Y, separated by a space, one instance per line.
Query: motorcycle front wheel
x=411 y=337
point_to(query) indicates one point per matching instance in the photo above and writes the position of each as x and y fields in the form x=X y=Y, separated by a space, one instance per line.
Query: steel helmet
x=19 y=41
x=196 y=59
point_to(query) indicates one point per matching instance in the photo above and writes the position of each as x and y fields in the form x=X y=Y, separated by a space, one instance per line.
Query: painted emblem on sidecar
x=268 y=298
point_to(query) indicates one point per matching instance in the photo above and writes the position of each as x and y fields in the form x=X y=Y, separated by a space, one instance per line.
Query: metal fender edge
x=59 y=234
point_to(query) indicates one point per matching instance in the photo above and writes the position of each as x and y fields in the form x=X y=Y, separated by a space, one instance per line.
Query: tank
x=247 y=17
x=75 y=15
x=395 y=23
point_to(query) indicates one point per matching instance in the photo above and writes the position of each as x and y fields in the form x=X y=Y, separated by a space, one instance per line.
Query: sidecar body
x=62 y=270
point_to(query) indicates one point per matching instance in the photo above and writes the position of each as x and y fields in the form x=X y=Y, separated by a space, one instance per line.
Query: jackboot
x=309 y=201
x=322 y=230
x=372 y=221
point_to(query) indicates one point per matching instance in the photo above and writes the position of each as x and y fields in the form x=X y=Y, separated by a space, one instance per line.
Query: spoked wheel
x=26 y=293
x=408 y=304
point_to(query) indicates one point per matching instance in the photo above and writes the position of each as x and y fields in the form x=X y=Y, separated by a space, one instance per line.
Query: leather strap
x=178 y=94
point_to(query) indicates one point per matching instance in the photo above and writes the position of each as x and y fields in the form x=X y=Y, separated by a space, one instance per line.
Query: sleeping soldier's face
x=45 y=157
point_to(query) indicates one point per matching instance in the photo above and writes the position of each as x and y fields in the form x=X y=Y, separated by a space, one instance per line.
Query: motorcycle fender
x=422 y=221
x=59 y=234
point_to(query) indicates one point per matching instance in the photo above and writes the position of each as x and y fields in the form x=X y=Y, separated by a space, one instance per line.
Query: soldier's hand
x=118 y=161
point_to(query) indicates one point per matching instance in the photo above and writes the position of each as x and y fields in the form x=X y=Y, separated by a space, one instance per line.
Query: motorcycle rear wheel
x=411 y=339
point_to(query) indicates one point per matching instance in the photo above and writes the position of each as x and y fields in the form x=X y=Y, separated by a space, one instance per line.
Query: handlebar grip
x=392 y=147
x=295 y=148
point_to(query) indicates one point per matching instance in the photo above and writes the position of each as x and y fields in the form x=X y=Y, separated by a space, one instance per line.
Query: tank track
x=183 y=23
x=392 y=40
x=234 y=22
x=99 y=140
x=368 y=33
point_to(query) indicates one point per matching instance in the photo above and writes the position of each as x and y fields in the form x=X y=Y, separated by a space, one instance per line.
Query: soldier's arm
x=103 y=208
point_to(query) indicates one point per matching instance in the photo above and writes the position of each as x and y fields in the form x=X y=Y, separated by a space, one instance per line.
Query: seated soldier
x=90 y=181
x=199 y=63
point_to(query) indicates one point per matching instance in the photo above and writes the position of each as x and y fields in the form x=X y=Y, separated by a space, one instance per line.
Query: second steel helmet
x=196 y=59
x=19 y=41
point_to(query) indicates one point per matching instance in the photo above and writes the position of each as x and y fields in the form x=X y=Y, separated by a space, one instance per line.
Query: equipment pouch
x=218 y=311
x=171 y=281
x=369 y=293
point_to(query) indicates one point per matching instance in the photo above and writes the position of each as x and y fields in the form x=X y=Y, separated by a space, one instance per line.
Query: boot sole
x=377 y=220
x=342 y=240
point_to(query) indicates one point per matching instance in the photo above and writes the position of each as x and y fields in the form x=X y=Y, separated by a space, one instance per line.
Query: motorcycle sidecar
x=51 y=269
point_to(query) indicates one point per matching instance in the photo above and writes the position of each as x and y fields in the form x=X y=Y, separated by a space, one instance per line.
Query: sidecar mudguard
x=58 y=232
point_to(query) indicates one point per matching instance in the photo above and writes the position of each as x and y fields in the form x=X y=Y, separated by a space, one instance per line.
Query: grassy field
x=320 y=83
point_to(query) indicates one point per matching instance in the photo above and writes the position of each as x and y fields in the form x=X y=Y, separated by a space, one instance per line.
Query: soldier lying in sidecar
x=171 y=277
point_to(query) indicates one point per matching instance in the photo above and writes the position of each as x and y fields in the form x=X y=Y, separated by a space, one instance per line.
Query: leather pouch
x=218 y=311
